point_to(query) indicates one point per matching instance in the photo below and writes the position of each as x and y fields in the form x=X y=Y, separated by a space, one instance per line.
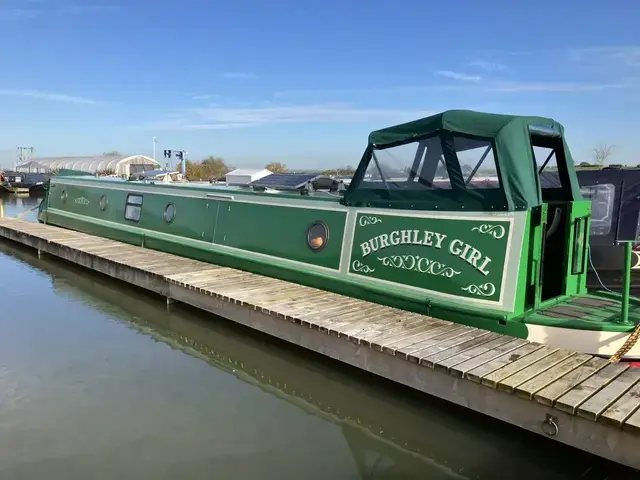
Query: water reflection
x=81 y=394
x=14 y=204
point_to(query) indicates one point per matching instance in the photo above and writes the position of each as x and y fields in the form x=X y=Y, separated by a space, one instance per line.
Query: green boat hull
x=271 y=240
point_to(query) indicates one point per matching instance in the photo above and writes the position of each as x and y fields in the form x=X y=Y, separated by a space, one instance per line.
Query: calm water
x=99 y=381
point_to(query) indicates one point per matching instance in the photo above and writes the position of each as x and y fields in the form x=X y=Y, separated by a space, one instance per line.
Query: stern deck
x=593 y=311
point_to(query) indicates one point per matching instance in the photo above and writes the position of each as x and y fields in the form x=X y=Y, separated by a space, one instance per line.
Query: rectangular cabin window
x=133 y=208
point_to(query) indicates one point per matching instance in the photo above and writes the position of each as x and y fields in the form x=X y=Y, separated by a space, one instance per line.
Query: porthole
x=317 y=236
x=63 y=196
x=169 y=213
x=104 y=201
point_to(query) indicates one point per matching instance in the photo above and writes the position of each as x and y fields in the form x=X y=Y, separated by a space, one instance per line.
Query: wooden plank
x=82 y=243
x=408 y=328
x=410 y=345
x=318 y=312
x=448 y=336
x=632 y=424
x=533 y=385
x=455 y=340
x=244 y=286
x=401 y=326
x=465 y=355
x=492 y=378
x=539 y=367
x=580 y=393
x=192 y=277
x=275 y=292
x=308 y=310
x=564 y=384
x=623 y=408
x=300 y=306
x=381 y=325
x=168 y=267
x=194 y=280
x=221 y=279
x=293 y=290
x=500 y=361
x=321 y=314
x=604 y=398
x=433 y=360
x=409 y=332
x=98 y=250
x=335 y=323
x=286 y=301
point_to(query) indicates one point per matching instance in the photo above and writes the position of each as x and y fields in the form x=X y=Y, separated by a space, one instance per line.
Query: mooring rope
x=24 y=212
x=628 y=345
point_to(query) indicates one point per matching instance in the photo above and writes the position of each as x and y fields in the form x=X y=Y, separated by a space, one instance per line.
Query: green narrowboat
x=417 y=228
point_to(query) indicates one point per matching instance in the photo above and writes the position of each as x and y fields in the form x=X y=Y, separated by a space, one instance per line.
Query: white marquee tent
x=120 y=165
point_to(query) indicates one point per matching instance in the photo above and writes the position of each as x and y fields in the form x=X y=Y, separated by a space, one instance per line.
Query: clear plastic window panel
x=477 y=162
x=417 y=164
x=602 y=198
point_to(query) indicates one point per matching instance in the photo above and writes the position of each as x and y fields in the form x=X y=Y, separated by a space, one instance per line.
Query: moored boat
x=415 y=229
x=23 y=182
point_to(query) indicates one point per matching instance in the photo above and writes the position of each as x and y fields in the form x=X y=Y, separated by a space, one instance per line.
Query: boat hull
x=390 y=257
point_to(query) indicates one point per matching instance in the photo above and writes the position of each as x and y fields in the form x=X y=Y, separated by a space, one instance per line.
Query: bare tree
x=600 y=153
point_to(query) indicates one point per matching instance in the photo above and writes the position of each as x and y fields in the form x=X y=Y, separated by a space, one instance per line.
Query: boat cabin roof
x=434 y=163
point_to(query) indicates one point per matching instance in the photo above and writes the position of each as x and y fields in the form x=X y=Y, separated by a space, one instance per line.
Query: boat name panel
x=456 y=256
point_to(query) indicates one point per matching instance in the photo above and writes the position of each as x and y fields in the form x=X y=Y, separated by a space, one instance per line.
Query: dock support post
x=170 y=301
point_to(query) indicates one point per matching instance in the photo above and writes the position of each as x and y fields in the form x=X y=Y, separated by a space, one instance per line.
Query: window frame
x=164 y=213
x=128 y=203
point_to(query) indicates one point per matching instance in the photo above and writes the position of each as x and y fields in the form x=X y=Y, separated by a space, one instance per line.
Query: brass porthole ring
x=317 y=236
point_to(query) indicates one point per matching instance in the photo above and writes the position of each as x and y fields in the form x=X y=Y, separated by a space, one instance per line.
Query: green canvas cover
x=513 y=155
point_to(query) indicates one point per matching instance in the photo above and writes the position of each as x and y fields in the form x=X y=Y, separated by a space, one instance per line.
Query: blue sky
x=304 y=81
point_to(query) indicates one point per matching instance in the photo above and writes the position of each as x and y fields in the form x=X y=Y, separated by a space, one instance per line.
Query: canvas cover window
x=602 y=197
x=419 y=165
x=477 y=162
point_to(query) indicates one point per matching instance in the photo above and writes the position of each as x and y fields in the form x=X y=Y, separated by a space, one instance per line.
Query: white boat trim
x=592 y=342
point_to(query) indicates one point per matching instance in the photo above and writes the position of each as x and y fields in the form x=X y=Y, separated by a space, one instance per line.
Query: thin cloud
x=39 y=8
x=238 y=75
x=487 y=65
x=209 y=96
x=18 y=13
x=54 y=97
x=621 y=55
x=471 y=86
x=218 y=118
x=91 y=9
x=459 y=76
x=515 y=87
x=366 y=90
